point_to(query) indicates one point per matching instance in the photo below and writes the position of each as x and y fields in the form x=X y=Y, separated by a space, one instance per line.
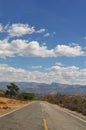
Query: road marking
x=72 y=115
x=15 y=110
x=75 y=116
x=45 y=124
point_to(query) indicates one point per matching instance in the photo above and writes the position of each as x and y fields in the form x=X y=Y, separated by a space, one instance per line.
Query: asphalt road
x=41 y=116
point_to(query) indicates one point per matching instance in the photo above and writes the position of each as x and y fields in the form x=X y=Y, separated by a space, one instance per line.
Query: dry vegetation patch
x=74 y=103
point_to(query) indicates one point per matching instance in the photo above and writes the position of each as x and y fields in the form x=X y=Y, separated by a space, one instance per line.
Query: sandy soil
x=8 y=104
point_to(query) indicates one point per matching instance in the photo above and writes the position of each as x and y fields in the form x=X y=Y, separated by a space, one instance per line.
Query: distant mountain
x=42 y=88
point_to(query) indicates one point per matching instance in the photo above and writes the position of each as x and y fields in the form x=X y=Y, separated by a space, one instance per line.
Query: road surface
x=41 y=116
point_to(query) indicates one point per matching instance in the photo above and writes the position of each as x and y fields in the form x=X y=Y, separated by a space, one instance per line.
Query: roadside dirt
x=7 y=104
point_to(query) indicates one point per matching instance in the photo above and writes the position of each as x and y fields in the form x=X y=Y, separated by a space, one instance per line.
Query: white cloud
x=34 y=49
x=1 y=28
x=20 y=30
x=59 y=64
x=85 y=38
x=47 y=35
x=69 y=51
x=5 y=50
x=36 y=67
x=73 y=44
x=65 y=69
x=63 y=75
x=11 y=74
x=23 y=48
x=68 y=75
x=54 y=33
x=41 y=30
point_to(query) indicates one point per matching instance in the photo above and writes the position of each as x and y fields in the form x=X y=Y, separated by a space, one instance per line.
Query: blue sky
x=43 y=39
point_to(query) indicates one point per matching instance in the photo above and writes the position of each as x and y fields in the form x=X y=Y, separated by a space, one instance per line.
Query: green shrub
x=26 y=96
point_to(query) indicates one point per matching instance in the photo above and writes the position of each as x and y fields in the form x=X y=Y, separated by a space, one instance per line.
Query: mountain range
x=42 y=88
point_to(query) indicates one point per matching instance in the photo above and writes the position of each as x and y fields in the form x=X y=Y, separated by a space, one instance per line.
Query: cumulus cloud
x=65 y=50
x=65 y=75
x=11 y=74
x=65 y=69
x=21 y=47
x=68 y=75
x=20 y=30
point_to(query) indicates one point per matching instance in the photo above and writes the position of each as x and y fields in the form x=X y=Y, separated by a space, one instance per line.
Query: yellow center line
x=45 y=124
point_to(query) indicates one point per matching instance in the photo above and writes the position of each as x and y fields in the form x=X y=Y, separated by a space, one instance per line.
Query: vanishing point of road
x=41 y=116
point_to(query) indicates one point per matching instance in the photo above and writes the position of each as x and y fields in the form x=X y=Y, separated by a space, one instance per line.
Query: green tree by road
x=12 y=90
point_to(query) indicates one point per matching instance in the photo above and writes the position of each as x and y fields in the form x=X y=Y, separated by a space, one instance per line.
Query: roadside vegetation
x=12 y=97
x=2 y=93
x=74 y=103
x=26 y=96
x=13 y=91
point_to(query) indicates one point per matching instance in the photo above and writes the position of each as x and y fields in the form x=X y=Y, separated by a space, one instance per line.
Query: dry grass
x=7 y=103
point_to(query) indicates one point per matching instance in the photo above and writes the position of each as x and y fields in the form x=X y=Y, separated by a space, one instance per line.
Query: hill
x=42 y=88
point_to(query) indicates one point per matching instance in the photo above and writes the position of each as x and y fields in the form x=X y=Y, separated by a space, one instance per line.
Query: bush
x=26 y=96
x=2 y=93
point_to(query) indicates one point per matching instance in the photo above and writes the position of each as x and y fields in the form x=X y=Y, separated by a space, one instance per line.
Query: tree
x=12 y=90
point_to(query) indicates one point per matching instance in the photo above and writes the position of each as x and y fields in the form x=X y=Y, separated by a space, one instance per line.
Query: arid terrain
x=7 y=104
